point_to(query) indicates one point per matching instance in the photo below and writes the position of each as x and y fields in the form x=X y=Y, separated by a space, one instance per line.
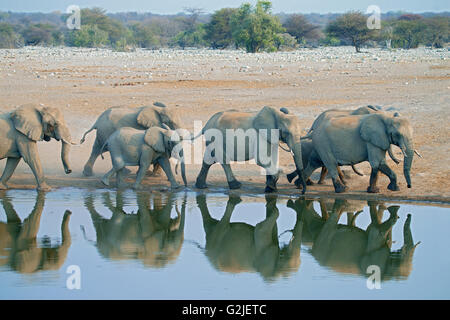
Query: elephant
x=257 y=130
x=307 y=149
x=18 y=244
x=115 y=118
x=334 y=113
x=150 y=235
x=239 y=247
x=21 y=129
x=347 y=248
x=133 y=147
x=357 y=138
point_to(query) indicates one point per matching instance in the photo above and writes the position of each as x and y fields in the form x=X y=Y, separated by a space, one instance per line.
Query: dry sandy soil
x=198 y=83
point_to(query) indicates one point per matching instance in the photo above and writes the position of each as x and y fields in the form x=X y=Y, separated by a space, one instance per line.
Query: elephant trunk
x=63 y=134
x=183 y=167
x=408 y=151
x=297 y=153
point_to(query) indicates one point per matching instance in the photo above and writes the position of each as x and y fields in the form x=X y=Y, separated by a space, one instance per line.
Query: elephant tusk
x=418 y=154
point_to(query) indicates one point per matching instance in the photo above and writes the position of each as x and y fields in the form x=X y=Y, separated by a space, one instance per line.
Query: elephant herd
x=152 y=135
x=155 y=238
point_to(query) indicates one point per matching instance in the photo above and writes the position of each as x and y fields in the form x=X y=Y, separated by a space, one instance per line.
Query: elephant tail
x=85 y=134
x=356 y=171
x=102 y=149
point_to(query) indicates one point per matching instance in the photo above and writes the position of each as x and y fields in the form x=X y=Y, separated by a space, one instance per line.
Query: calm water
x=131 y=245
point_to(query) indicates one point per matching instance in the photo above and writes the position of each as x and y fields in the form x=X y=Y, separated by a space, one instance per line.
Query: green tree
x=9 y=39
x=191 y=38
x=218 y=30
x=409 y=33
x=437 y=31
x=299 y=27
x=255 y=28
x=89 y=36
x=142 y=35
x=351 y=27
x=42 y=34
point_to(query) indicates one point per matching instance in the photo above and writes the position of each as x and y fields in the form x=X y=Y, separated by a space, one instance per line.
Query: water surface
x=130 y=245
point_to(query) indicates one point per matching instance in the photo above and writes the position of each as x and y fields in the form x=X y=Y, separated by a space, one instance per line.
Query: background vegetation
x=254 y=28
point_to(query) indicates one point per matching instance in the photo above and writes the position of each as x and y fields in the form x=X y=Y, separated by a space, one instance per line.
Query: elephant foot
x=87 y=171
x=270 y=189
x=137 y=187
x=234 y=184
x=339 y=187
x=298 y=184
x=309 y=182
x=174 y=186
x=44 y=187
x=320 y=182
x=200 y=184
x=3 y=186
x=105 y=181
x=393 y=186
x=371 y=189
x=291 y=176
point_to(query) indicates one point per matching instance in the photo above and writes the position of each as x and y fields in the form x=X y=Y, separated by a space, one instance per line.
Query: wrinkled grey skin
x=263 y=121
x=353 y=139
x=133 y=147
x=115 y=118
x=333 y=113
x=350 y=249
x=19 y=132
x=239 y=247
x=150 y=235
x=307 y=150
x=18 y=245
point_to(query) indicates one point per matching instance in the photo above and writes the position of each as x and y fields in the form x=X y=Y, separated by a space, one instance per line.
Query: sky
x=209 y=6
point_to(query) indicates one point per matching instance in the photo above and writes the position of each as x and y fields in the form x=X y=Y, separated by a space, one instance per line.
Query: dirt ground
x=198 y=83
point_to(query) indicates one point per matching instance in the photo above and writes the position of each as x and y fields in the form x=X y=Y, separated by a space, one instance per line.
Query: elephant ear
x=154 y=137
x=148 y=117
x=373 y=130
x=266 y=119
x=28 y=121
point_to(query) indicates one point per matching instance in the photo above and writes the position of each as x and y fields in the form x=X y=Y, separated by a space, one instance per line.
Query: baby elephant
x=132 y=147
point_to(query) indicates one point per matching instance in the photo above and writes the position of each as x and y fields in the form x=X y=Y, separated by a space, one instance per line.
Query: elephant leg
x=384 y=168
x=200 y=183
x=291 y=176
x=29 y=153
x=323 y=175
x=341 y=175
x=271 y=182
x=143 y=167
x=120 y=173
x=373 y=181
x=338 y=185
x=157 y=170
x=231 y=179
x=107 y=176
x=10 y=166
x=165 y=165
x=95 y=153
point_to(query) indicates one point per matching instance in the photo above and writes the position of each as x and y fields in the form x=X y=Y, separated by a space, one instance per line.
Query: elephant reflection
x=18 y=245
x=239 y=247
x=150 y=235
x=350 y=249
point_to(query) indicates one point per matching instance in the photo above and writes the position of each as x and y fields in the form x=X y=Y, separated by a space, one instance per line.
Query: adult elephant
x=115 y=118
x=350 y=249
x=240 y=247
x=18 y=245
x=241 y=136
x=150 y=235
x=335 y=113
x=354 y=139
x=19 y=132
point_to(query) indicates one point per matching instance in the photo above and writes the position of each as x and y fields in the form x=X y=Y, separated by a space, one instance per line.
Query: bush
x=218 y=30
x=352 y=27
x=89 y=36
x=255 y=28
x=43 y=34
x=299 y=27
x=142 y=35
x=9 y=39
